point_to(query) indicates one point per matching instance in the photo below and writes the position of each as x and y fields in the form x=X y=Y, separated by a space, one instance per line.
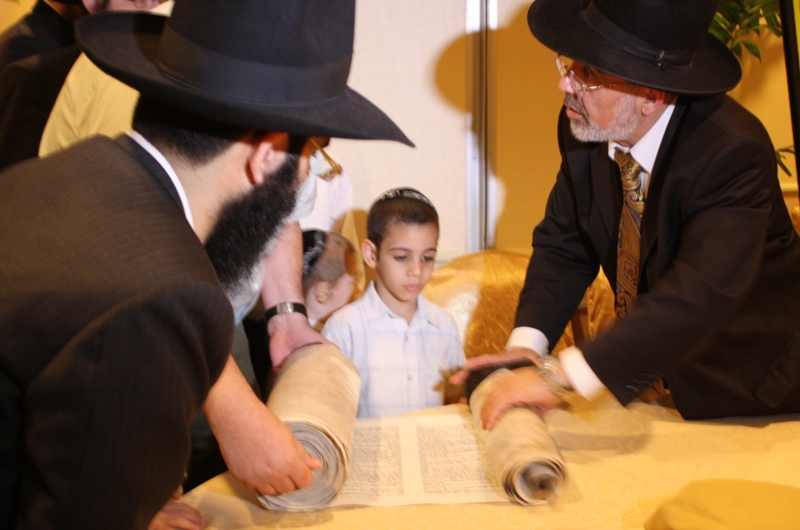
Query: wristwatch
x=550 y=367
x=285 y=307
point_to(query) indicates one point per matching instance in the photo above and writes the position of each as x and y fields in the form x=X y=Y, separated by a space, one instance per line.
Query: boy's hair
x=326 y=258
x=399 y=205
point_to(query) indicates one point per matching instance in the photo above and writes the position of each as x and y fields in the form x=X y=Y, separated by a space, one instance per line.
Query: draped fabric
x=629 y=241
x=480 y=291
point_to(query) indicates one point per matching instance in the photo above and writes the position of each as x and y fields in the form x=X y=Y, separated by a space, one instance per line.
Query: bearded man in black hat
x=114 y=325
x=671 y=187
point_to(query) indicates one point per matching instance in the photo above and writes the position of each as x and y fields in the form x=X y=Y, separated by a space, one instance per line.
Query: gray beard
x=622 y=126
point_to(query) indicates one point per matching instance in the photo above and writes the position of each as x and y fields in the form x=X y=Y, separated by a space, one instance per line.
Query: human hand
x=504 y=357
x=523 y=387
x=176 y=514
x=289 y=332
x=262 y=453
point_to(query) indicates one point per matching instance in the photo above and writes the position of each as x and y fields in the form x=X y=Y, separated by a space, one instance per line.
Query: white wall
x=411 y=60
x=419 y=61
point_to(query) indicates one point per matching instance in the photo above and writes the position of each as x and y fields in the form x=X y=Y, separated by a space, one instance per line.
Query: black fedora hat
x=266 y=64
x=662 y=44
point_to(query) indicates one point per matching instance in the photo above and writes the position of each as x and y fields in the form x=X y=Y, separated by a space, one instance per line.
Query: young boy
x=400 y=342
x=329 y=269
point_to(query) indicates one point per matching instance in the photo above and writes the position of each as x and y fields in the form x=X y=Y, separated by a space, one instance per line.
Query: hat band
x=248 y=81
x=677 y=59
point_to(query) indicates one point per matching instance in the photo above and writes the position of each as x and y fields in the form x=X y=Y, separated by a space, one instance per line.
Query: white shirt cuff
x=526 y=337
x=581 y=377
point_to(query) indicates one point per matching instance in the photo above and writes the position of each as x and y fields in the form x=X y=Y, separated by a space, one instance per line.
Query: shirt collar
x=376 y=308
x=155 y=153
x=646 y=149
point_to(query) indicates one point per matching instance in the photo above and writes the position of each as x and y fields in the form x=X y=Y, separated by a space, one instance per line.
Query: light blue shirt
x=400 y=363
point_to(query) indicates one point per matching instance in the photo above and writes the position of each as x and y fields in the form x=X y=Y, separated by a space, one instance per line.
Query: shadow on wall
x=523 y=106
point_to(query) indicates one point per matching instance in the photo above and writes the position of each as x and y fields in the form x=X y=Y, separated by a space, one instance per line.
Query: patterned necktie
x=629 y=241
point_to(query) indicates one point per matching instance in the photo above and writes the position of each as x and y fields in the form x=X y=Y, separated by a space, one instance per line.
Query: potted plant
x=735 y=23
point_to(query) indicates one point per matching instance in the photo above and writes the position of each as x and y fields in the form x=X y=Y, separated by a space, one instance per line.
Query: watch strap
x=285 y=307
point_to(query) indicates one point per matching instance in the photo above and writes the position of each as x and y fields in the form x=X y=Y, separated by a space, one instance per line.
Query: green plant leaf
x=752 y=47
x=780 y=158
x=736 y=19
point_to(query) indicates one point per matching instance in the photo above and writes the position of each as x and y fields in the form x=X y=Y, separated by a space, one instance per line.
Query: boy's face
x=403 y=264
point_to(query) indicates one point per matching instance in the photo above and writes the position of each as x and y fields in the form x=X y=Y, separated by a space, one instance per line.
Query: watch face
x=476 y=376
x=285 y=307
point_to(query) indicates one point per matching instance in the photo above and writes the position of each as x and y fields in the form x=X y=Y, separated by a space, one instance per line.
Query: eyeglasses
x=578 y=85
x=335 y=168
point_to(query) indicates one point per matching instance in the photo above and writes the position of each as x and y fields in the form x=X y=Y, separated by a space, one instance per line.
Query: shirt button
x=410 y=377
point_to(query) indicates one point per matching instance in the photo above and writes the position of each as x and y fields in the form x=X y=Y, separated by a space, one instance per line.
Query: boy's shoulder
x=437 y=315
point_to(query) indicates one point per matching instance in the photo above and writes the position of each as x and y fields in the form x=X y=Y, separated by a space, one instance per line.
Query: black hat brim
x=125 y=46
x=561 y=26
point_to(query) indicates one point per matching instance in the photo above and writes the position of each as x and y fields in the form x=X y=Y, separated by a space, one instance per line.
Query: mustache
x=575 y=104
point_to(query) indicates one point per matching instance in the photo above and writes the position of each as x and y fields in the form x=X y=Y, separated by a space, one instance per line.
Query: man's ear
x=654 y=100
x=322 y=292
x=370 y=253
x=267 y=154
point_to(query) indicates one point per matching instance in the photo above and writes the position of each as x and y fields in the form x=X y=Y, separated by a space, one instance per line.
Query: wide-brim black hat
x=662 y=44
x=267 y=64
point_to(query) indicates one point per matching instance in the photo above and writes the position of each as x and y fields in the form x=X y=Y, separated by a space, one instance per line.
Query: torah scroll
x=316 y=395
x=519 y=446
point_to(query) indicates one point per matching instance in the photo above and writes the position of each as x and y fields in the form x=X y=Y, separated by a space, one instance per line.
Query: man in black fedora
x=670 y=186
x=114 y=325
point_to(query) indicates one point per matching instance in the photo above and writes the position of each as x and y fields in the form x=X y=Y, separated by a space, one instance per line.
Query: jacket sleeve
x=563 y=263
x=720 y=247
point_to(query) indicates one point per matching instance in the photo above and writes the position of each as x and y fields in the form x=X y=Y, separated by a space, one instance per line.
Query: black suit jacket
x=719 y=293
x=112 y=329
x=28 y=90
x=42 y=30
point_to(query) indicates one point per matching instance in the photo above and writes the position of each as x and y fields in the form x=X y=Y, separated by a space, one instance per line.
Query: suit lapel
x=660 y=170
x=151 y=165
x=607 y=188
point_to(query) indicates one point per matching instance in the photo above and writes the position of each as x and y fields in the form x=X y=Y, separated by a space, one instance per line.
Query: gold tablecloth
x=622 y=464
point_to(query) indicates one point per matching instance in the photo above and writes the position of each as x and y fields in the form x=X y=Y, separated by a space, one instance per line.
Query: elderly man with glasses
x=670 y=186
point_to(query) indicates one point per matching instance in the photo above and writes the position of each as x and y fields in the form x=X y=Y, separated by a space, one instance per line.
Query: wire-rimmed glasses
x=578 y=85
x=335 y=168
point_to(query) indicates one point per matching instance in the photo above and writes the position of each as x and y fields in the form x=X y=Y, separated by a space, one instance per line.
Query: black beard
x=246 y=225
